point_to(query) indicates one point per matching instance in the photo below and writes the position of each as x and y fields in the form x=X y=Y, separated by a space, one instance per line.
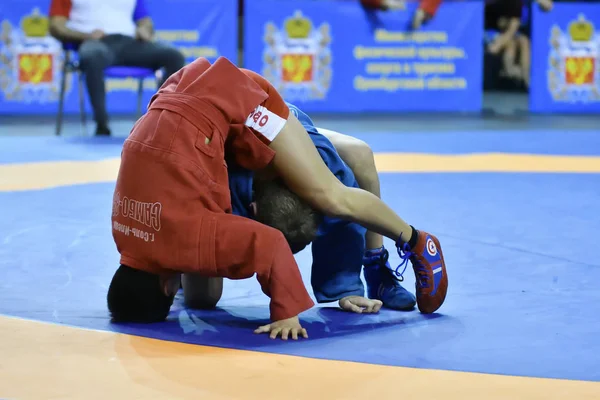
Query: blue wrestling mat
x=520 y=248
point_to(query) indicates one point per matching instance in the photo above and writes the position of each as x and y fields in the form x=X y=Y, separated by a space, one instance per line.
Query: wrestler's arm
x=300 y=166
x=244 y=248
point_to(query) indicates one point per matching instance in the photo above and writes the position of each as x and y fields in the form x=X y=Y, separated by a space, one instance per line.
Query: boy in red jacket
x=172 y=207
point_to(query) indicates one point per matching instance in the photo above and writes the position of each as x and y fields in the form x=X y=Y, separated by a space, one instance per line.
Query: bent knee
x=355 y=152
x=94 y=51
x=362 y=153
x=177 y=57
x=198 y=301
x=201 y=292
x=169 y=57
x=358 y=155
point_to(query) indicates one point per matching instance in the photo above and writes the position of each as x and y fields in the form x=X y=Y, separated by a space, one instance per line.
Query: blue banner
x=565 y=69
x=334 y=56
x=31 y=61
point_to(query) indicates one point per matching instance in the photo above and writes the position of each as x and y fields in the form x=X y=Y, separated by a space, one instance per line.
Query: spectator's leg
x=525 y=58
x=61 y=98
x=94 y=57
x=151 y=55
x=509 y=55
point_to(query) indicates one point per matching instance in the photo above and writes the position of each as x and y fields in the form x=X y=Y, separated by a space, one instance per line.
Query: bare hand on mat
x=285 y=328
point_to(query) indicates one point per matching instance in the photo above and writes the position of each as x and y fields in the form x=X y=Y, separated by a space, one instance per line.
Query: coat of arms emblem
x=30 y=60
x=573 y=67
x=297 y=58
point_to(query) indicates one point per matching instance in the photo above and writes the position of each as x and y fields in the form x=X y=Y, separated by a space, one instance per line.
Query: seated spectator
x=110 y=32
x=504 y=17
x=516 y=60
x=508 y=38
x=502 y=23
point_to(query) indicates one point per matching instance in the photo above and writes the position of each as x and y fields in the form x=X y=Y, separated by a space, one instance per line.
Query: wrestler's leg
x=381 y=284
x=201 y=292
x=337 y=262
x=301 y=167
x=359 y=157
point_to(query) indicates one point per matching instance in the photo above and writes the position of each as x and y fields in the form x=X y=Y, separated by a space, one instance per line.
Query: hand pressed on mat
x=360 y=305
x=285 y=327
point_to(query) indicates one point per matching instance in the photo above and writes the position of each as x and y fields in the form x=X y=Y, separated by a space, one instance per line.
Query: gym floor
x=515 y=202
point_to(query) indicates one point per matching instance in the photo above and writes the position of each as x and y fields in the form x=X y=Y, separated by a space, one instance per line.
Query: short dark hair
x=278 y=207
x=137 y=296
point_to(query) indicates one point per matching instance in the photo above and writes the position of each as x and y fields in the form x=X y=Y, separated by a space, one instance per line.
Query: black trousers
x=96 y=55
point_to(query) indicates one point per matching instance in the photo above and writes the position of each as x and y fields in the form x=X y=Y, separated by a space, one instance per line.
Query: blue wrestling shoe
x=381 y=284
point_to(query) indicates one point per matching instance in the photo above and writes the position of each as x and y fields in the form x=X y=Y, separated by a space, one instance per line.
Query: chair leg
x=82 y=105
x=140 y=97
x=61 y=99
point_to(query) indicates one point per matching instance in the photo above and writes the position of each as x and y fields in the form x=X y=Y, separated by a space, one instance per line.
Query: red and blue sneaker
x=428 y=263
x=381 y=283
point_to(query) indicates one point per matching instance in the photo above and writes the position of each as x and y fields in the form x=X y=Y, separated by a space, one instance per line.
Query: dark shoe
x=102 y=130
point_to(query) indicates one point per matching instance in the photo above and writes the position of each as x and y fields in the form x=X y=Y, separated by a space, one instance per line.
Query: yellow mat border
x=45 y=175
x=48 y=361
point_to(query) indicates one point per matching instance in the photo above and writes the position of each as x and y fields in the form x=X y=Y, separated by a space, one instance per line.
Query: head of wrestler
x=139 y=296
x=277 y=206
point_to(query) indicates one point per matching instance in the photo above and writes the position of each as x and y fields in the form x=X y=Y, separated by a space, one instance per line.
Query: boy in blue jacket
x=340 y=249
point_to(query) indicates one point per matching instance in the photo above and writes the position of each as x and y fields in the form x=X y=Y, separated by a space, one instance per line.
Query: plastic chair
x=71 y=64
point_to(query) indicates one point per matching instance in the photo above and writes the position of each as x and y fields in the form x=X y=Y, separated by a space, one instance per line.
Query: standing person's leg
x=337 y=262
x=94 y=57
x=359 y=157
x=381 y=282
